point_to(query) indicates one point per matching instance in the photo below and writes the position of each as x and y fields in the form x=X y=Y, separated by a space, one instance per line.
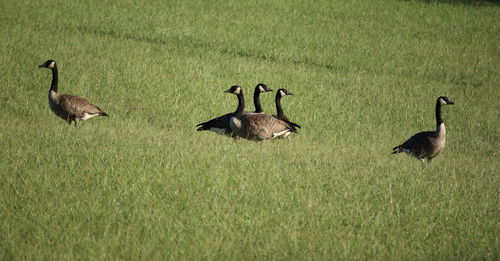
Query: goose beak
x=290 y=93
x=40 y=66
x=450 y=103
x=270 y=90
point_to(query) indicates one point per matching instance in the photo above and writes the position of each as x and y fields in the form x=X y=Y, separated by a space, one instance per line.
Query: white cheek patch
x=52 y=65
x=442 y=102
x=237 y=91
x=261 y=89
x=282 y=93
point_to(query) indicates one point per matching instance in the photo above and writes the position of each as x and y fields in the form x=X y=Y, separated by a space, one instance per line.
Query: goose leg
x=76 y=122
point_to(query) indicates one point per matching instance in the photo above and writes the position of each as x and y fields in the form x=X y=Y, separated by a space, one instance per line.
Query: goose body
x=69 y=107
x=279 y=110
x=427 y=145
x=221 y=124
x=255 y=126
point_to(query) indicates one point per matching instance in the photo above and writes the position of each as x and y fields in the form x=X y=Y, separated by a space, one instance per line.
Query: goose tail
x=396 y=150
x=202 y=126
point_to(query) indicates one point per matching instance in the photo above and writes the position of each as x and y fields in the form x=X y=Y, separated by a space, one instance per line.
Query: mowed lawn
x=143 y=184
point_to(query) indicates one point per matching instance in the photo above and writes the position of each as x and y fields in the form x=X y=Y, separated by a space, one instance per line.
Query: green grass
x=143 y=184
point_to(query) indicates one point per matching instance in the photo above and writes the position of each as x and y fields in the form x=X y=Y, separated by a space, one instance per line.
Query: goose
x=220 y=125
x=279 y=110
x=260 y=88
x=66 y=106
x=255 y=126
x=427 y=145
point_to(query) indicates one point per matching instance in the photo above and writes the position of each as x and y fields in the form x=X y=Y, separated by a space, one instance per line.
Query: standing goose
x=69 y=107
x=220 y=124
x=255 y=126
x=427 y=145
x=279 y=110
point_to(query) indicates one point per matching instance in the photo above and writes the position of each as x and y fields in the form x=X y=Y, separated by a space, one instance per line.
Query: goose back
x=423 y=145
x=257 y=126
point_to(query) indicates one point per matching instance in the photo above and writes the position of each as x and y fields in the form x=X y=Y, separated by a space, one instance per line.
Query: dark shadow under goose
x=427 y=145
x=255 y=126
x=220 y=124
x=69 y=107
x=279 y=110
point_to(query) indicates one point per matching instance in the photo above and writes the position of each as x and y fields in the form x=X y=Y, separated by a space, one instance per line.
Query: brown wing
x=221 y=122
x=262 y=126
x=420 y=144
x=285 y=119
x=77 y=105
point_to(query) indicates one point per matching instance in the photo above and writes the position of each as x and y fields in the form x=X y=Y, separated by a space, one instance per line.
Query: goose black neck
x=279 y=110
x=256 y=101
x=439 y=120
x=241 y=104
x=53 y=85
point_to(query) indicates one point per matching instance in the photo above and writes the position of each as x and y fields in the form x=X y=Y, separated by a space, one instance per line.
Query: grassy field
x=143 y=184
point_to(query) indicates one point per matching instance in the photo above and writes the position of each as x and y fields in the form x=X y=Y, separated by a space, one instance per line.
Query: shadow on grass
x=193 y=43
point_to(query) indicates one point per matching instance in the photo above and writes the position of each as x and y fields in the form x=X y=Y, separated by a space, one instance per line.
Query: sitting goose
x=220 y=124
x=255 y=126
x=69 y=107
x=279 y=110
x=427 y=145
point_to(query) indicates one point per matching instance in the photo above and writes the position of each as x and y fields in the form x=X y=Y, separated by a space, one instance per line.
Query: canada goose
x=427 y=145
x=279 y=110
x=255 y=126
x=220 y=124
x=69 y=107
x=256 y=96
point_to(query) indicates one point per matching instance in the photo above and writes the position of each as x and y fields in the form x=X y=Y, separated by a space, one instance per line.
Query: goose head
x=443 y=100
x=235 y=89
x=263 y=88
x=284 y=92
x=51 y=64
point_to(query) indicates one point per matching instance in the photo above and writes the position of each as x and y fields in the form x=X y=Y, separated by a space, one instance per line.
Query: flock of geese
x=252 y=125
x=255 y=125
